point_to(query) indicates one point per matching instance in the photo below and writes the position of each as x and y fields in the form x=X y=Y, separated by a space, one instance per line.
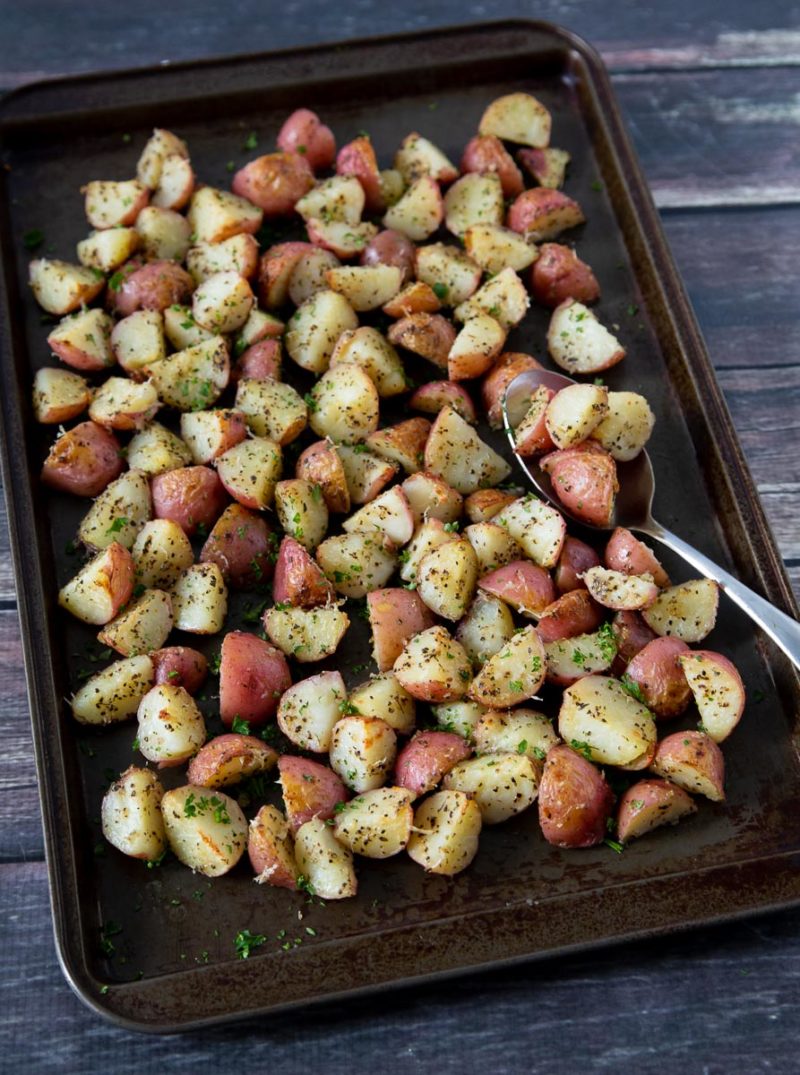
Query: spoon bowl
x=633 y=510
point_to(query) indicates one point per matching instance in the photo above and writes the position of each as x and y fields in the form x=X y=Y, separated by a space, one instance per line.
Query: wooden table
x=711 y=92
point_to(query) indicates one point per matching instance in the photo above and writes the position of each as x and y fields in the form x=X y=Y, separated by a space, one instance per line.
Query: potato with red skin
x=573 y=613
x=531 y=436
x=181 y=666
x=358 y=158
x=426 y=758
x=486 y=153
x=434 y=667
x=154 y=286
x=274 y=182
x=585 y=481
x=230 y=758
x=648 y=804
x=261 y=361
x=483 y=505
x=252 y=677
x=508 y=366
x=558 y=274
x=576 y=557
x=631 y=634
x=270 y=848
x=430 y=398
x=415 y=298
x=304 y=133
x=193 y=497
x=527 y=587
x=656 y=670
x=83 y=461
x=542 y=213
x=395 y=615
x=628 y=554
x=242 y=544
x=299 y=580
x=391 y=247
x=321 y=465
x=275 y=269
x=429 y=335
x=310 y=789
x=102 y=586
x=718 y=691
x=575 y=801
x=694 y=762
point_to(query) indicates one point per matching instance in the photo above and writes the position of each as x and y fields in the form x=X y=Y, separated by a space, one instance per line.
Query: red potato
x=455 y=453
x=60 y=287
x=694 y=762
x=310 y=789
x=575 y=801
x=517 y=117
x=305 y=133
x=320 y=464
x=429 y=335
x=585 y=482
x=403 y=443
x=262 y=361
x=340 y=238
x=656 y=673
x=271 y=849
x=228 y=759
x=444 y=839
x=101 y=588
x=211 y=433
x=59 y=395
x=541 y=213
x=717 y=688
x=83 y=461
x=417 y=156
x=415 y=298
x=274 y=182
x=508 y=366
x=475 y=348
x=390 y=247
x=395 y=616
x=358 y=158
x=527 y=587
x=576 y=558
x=573 y=613
x=628 y=554
x=559 y=274
x=275 y=270
x=299 y=580
x=484 y=504
x=426 y=758
x=547 y=166
x=431 y=498
x=619 y=591
x=632 y=634
x=83 y=340
x=513 y=674
x=154 y=286
x=112 y=204
x=181 y=666
x=648 y=804
x=612 y=726
x=432 y=397
x=253 y=676
x=433 y=667
x=243 y=546
x=193 y=497
x=687 y=611
x=250 y=470
x=537 y=527
x=531 y=436
x=446 y=578
x=579 y=343
x=486 y=153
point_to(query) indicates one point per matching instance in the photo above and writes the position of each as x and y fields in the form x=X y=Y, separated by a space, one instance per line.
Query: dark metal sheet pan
x=174 y=964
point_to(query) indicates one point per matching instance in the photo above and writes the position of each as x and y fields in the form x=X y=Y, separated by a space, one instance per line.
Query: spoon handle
x=782 y=629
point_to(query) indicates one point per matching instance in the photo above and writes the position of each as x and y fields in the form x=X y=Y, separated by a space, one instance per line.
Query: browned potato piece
x=514 y=673
x=718 y=691
x=694 y=762
x=131 y=814
x=433 y=667
x=83 y=460
x=206 y=829
x=649 y=804
x=656 y=677
x=271 y=849
x=310 y=789
x=575 y=801
x=446 y=831
x=321 y=465
x=376 y=824
x=229 y=758
x=428 y=335
x=426 y=758
x=243 y=546
x=612 y=727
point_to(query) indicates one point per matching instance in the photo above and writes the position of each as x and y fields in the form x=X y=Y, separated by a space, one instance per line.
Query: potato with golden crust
x=628 y=554
x=579 y=343
x=274 y=182
x=447 y=577
x=83 y=460
x=200 y=600
x=310 y=789
x=612 y=726
x=493 y=546
x=306 y=634
x=118 y=513
x=433 y=667
x=249 y=471
x=694 y=762
x=475 y=198
x=171 y=727
x=382 y=696
x=419 y=210
x=389 y=514
x=161 y=553
x=513 y=674
x=403 y=443
x=620 y=591
x=325 y=864
x=101 y=587
x=429 y=335
x=356 y=563
x=575 y=801
x=243 y=546
x=115 y=693
x=486 y=153
x=517 y=117
x=445 y=835
x=687 y=611
x=131 y=814
x=515 y=731
x=83 y=340
x=432 y=397
x=362 y=751
x=430 y=497
x=59 y=395
x=502 y=784
x=275 y=270
x=559 y=274
x=210 y=433
x=418 y=156
x=299 y=580
x=228 y=759
x=540 y=214
x=376 y=824
x=344 y=405
x=195 y=377
x=369 y=349
x=655 y=675
x=395 y=616
x=648 y=804
x=483 y=505
x=301 y=511
x=584 y=479
x=253 y=675
x=475 y=347
x=456 y=453
x=572 y=613
x=538 y=528
x=493 y=389
x=486 y=628
x=426 y=758
x=358 y=158
x=60 y=287
x=527 y=587
x=717 y=688
x=303 y=132
x=206 y=830
x=142 y=626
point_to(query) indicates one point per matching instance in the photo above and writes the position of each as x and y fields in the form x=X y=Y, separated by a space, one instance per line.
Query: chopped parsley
x=245 y=942
x=440 y=291
x=251 y=141
x=582 y=748
x=33 y=238
x=241 y=727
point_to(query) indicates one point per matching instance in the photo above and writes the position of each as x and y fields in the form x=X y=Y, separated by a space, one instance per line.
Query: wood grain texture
x=622 y=1009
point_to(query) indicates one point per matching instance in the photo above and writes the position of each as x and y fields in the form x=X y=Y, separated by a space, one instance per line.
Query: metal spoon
x=633 y=510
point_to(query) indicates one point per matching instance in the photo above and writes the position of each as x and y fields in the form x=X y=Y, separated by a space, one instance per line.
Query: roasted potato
x=611 y=726
x=486 y=628
x=308 y=711
x=101 y=587
x=648 y=804
x=206 y=831
x=444 y=839
x=395 y=616
x=513 y=674
x=131 y=814
x=306 y=634
x=299 y=580
x=575 y=801
x=83 y=460
x=362 y=751
x=171 y=727
x=200 y=600
x=717 y=688
x=243 y=546
x=655 y=676
x=433 y=667
x=377 y=823
x=501 y=784
x=253 y=676
x=309 y=789
x=228 y=759
x=694 y=762
x=114 y=693
x=271 y=849
x=325 y=864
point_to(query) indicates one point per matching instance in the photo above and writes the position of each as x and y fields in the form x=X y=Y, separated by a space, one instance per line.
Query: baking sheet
x=153 y=949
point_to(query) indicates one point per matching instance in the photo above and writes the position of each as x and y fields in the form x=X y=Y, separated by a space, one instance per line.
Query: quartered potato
x=206 y=829
x=171 y=727
x=325 y=863
x=131 y=814
x=501 y=784
x=306 y=634
x=362 y=751
x=114 y=693
x=377 y=823
x=446 y=830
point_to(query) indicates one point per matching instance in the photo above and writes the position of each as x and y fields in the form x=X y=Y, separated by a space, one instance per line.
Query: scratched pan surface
x=153 y=948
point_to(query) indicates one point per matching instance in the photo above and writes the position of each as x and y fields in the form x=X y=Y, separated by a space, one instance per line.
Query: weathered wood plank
x=725 y=1001
x=647 y=34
